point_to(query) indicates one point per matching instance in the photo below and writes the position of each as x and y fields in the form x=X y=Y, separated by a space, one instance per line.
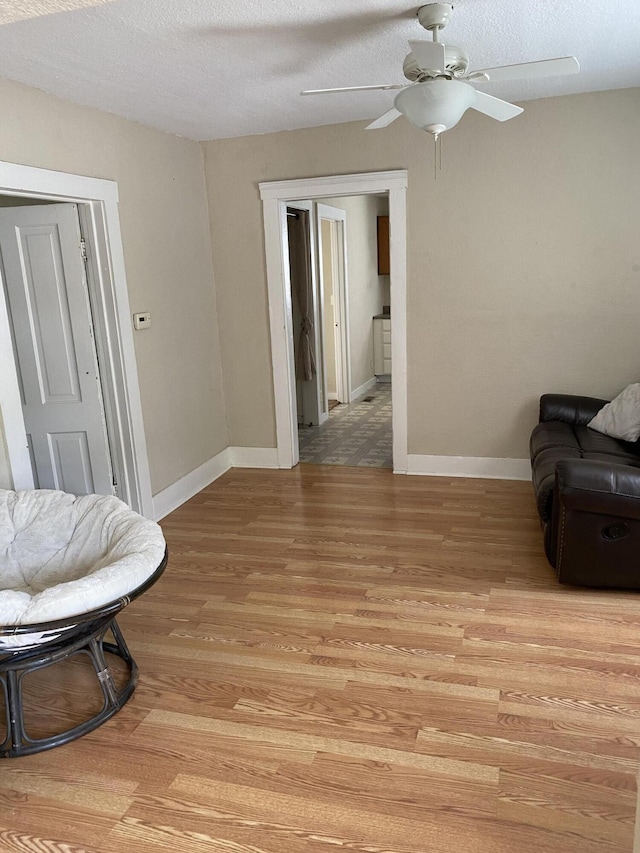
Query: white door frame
x=97 y=201
x=275 y=195
x=340 y=295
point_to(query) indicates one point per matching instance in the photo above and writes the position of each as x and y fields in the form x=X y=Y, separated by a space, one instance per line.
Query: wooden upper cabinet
x=383 y=245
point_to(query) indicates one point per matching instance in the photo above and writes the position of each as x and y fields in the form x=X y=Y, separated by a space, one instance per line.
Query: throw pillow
x=621 y=417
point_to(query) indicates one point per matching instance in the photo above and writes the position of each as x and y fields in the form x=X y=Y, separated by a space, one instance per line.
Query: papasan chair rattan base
x=96 y=547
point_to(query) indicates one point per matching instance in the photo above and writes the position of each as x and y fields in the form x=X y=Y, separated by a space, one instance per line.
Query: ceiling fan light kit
x=435 y=106
x=440 y=91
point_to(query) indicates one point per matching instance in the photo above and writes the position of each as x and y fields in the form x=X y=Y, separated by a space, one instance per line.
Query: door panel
x=56 y=358
x=69 y=460
x=47 y=307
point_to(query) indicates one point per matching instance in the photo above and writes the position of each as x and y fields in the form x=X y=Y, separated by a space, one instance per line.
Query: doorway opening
x=94 y=204
x=319 y=196
x=348 y=295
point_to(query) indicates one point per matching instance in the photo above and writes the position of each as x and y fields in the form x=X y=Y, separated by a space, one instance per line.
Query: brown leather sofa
x=587 y=489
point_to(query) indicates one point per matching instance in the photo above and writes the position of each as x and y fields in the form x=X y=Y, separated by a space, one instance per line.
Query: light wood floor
x=343 y=659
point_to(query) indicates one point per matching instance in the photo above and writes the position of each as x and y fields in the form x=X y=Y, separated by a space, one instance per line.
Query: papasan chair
x=68 y=565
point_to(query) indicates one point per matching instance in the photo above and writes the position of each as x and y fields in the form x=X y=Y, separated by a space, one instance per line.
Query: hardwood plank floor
x=343 y=659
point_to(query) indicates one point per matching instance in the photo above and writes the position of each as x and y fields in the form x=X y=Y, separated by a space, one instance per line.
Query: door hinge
x=83 y=249
x=116 y=490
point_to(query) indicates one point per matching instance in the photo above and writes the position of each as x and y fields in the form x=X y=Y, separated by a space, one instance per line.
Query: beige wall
x=523 y=263
x=365 y=295
x=165 y=231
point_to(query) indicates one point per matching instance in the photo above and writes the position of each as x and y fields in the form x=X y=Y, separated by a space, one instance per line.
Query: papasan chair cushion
x=62 y=556
x=68 y=565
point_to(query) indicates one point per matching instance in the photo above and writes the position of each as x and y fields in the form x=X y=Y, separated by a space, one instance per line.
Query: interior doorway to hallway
x=340 y=293
x=276 y=197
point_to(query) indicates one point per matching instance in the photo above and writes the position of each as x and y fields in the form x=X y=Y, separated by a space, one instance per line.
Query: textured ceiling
x=18 y=10
x=224 y=68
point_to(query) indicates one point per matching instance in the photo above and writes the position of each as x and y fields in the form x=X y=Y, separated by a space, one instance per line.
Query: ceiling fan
x=440 y=91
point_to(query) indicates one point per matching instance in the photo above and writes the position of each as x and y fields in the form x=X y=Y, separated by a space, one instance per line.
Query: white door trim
x=340 y=294
x=275 y=195
x=106 y=272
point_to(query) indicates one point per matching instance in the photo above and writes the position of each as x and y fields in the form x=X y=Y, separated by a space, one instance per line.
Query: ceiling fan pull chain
x=437 y=155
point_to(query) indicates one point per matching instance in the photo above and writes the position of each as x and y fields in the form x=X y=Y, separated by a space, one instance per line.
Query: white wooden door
x=45 y=281
x=337 y=218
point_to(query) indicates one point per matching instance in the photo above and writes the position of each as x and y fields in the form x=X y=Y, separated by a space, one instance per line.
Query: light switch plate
x=141 y=321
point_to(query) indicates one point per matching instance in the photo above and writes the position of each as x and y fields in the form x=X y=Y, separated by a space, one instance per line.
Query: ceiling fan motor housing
x=456 y=64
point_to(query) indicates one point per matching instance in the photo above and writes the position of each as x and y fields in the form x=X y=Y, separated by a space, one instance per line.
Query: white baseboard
x=332 y=395
x=469 y=466
x=232 y=457
x=186 y=487
x=253 y=457
x=363 y=388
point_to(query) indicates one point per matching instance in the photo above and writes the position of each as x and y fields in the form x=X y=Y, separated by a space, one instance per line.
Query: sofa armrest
x=599 y=487
x=569 y=408
x=596 y=525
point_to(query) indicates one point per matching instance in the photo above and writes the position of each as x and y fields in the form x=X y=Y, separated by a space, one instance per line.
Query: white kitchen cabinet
x=382 y=346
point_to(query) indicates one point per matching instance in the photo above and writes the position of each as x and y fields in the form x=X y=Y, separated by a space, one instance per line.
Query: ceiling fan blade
x=354 y=89
x=530 y=70
x=385 y=119
x=494 y=107
x=429 y=55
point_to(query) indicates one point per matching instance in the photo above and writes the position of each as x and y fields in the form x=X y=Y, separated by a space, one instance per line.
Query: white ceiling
x=207 y=69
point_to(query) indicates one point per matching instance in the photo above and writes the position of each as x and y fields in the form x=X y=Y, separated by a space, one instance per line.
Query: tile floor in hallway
x=357 y=433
